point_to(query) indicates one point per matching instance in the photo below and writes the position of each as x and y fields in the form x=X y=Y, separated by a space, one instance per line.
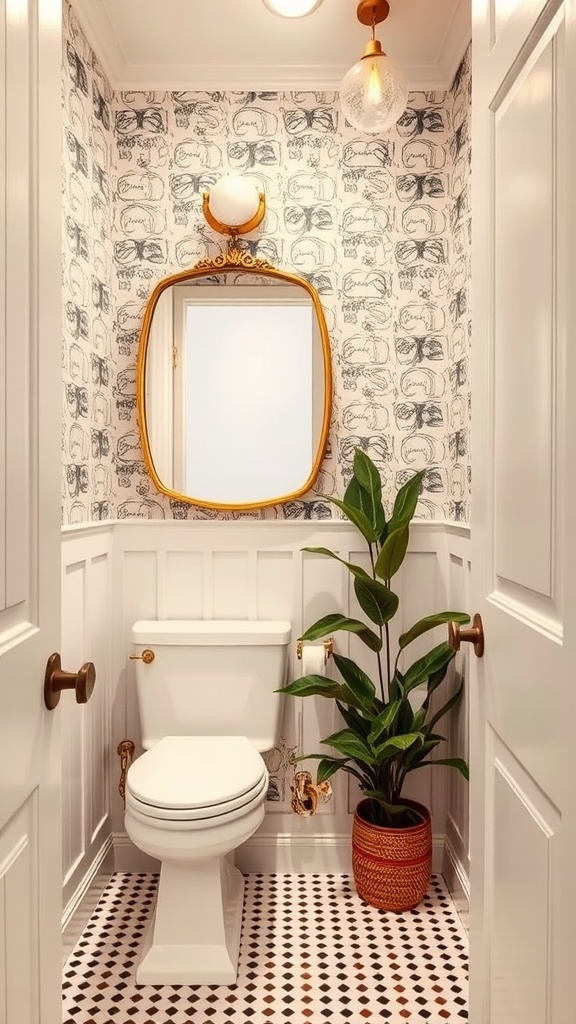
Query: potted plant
x=386 y=736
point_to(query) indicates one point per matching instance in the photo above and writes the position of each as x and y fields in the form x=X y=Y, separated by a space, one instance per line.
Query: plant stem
x=388 y=656
x=380 y=672
x=388 y=648
x=378 y=655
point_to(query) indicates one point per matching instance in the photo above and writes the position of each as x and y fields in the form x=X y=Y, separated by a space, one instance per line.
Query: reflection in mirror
x=236 y=389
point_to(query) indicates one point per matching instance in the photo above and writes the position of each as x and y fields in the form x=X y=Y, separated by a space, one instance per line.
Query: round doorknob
x=56 y=680
x=473 y=635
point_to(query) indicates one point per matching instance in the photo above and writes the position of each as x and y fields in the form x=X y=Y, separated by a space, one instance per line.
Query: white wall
x=114 y=575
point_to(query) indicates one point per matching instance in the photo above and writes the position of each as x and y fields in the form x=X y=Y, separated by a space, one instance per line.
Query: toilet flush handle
x=147 y=656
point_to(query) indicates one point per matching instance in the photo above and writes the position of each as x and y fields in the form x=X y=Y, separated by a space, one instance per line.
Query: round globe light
x=374 y=93
x=292 y=8
x=233 y=200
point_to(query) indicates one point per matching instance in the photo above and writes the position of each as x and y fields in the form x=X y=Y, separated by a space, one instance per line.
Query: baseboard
x=128 y=857
x=455 y=868
x=77 y=911
x=274 y=854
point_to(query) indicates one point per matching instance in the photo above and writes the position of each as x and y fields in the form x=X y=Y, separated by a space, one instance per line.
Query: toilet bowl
x=192 y=799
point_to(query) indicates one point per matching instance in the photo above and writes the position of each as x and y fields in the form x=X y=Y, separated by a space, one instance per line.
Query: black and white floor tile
x=311 y=950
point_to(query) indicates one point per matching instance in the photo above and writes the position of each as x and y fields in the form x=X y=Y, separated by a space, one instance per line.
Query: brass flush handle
x=306 y=794
x=56 y=680
x=147 y=656
x=473 y=635
x=126 y=753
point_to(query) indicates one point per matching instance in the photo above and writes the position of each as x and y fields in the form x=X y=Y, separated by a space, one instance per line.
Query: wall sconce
x=373 y=92
x=234 y=206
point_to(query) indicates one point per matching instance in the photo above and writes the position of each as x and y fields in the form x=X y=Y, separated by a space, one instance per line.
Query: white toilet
x=207 y=708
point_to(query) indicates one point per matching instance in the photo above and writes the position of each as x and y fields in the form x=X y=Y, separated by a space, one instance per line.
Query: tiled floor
x=311 y=951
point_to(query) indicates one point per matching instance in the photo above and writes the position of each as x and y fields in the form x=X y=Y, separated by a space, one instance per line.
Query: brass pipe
x=307 y=794
x=126 y=754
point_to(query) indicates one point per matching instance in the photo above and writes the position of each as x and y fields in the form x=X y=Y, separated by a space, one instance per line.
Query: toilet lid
x=187 y=772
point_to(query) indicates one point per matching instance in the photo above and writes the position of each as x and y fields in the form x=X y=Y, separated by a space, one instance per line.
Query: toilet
x=207 y=712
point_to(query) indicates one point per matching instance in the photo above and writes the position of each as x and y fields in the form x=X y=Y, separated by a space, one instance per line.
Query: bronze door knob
x=56 y=680
x=474 y=634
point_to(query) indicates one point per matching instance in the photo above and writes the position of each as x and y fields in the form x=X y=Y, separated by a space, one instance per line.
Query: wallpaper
x=380 y=226
x=88 y=365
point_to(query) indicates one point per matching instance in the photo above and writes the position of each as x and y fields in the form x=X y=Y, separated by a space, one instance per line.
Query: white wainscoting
x=120 y=572
x=86 y=755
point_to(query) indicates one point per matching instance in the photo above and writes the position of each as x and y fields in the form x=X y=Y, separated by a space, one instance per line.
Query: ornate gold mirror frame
x=241 y=263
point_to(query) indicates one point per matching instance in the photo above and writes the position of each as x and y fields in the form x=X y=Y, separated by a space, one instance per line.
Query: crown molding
x=456 y=42
x=100 y=34
x=429 y=75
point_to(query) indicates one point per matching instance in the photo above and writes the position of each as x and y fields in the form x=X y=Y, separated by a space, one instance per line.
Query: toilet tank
x=211 y=678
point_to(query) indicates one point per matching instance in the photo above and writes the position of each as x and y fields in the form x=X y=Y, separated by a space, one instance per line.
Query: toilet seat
x=193 y=778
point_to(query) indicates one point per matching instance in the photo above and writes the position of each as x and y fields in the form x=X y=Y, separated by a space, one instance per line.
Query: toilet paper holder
x=328 y=646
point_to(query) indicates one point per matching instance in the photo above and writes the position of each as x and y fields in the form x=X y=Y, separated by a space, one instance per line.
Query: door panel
x=522 y=693
x=30 y=390
x=19 y=969
x=524 y=329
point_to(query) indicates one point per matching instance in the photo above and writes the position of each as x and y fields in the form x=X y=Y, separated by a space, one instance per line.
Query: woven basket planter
x=392 y=866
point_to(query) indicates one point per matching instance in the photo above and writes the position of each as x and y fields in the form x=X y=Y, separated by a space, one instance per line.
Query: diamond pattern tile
x=311 y=950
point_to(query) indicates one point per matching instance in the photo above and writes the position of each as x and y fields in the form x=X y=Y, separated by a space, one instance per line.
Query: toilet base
x=194 y=936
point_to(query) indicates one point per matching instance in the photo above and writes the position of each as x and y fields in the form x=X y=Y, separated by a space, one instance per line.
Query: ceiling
x=227 y=44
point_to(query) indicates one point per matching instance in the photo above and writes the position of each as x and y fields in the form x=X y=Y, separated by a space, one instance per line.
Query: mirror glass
x=234 y=384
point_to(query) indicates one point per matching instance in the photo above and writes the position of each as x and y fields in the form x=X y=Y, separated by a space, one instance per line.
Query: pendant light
x=292 y=8
x=374 y=92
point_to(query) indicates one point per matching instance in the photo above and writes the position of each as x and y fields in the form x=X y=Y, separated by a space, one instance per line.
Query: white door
x=30 y=393
x=523 y=527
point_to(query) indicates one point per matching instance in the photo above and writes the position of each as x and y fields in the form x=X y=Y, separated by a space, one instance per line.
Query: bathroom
x=402 y=346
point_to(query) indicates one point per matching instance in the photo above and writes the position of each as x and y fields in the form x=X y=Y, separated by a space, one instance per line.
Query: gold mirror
x=234 y=384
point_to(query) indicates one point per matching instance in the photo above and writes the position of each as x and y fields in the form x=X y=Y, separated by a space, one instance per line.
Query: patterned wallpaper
x=379 y=226
x=89 y=371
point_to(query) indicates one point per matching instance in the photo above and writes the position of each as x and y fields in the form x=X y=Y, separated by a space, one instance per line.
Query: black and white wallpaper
x=381 y=227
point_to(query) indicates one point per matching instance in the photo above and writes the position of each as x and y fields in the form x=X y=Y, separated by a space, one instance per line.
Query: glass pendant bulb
x=374 y=92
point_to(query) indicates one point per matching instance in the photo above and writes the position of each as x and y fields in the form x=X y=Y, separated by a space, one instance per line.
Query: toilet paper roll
x=313 y=660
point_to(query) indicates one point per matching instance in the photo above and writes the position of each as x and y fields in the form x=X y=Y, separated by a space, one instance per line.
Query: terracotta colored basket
x=391 y=865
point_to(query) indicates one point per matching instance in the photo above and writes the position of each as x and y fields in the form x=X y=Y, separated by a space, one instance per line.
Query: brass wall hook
x=126 y=750
x=307 y=794
x=327 y=644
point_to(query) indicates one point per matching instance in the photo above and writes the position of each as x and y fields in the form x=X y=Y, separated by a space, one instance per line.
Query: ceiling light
x=373 y=93
x=292 y=8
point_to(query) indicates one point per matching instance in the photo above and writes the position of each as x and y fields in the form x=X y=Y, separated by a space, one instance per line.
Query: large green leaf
x=334 y=622
x=319 y=686
x=360 y=520
x=356 y=679
x=454 y=699
x=358 y=498
x=430 y=622
x=354 y=720
x=383 y=721
x=369 y=493
x=434 y=661
x=418 y=719
x=395 y=744
x=392 y=554
x=452 y=762
x=356 y=570
x=378 y=794
x=433 y=683
x=416 y=755
x=307 y=686
x=406 y=501
x=375 y=600
x=329 y=766
x=348 y=743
